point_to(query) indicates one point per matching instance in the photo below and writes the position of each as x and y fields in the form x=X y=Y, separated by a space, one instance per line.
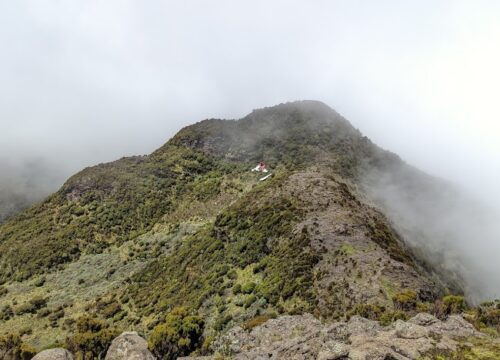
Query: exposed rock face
x=129 y=346
x=304 y=337
x=54 y=354
x=361 y=254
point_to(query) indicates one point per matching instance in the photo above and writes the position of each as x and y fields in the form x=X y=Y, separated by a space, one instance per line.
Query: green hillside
x=189 y=238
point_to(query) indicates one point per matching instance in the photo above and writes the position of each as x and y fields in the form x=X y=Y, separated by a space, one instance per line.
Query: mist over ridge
x=446 y=226
x=90 y=82
x=283 y=179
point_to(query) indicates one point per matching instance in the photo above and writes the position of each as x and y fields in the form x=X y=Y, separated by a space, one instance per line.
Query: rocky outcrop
x=129 y=346
x=304 y=337
x=54 y=354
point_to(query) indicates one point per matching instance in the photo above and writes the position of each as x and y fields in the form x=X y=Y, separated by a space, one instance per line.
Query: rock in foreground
x=304 y=337
x=129 y=346
x=54 y=354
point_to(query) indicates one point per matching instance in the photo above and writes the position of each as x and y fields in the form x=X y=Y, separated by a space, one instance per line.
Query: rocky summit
x=188 y=252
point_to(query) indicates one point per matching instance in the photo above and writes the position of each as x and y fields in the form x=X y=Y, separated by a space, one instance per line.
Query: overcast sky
x=83 y=82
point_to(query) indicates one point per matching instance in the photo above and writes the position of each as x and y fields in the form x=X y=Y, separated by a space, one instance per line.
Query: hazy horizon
x=89 y=82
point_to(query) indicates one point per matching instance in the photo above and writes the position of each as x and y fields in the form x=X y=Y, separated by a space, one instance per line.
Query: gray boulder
x=54 y=354
x=407 y=330
x=129 y=346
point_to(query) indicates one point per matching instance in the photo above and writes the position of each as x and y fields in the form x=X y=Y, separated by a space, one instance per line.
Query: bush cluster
x=406 y=300
x=91 y=339
x=179 y=335
x=13 y=348
x=31 y=306
x=254 y=231
x=103 y=205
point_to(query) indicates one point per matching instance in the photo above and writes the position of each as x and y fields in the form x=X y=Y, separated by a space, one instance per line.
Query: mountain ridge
x=189 y=230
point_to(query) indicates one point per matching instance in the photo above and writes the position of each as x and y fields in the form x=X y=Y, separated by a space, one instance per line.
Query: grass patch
x=348 y=249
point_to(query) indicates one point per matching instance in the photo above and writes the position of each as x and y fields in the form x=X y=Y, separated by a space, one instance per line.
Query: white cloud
x=89 y=81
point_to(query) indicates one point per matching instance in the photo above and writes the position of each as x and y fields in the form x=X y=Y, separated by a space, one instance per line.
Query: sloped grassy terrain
x=239 y=241
x=45 y=306
x=276 y=251
x=184 y=243
x=102 y=206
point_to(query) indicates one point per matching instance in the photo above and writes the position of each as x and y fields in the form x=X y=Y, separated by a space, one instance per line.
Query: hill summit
x=187 y=242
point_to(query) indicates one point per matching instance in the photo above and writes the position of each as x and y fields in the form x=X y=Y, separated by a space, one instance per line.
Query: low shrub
x=250 y=300
x=6 y=313
x=455 y=304
x=43 y=313
x=248 y=288
x=222 y=321
x=91 y=339
x=487 y=315
x=111 y=310
x=388 y=317
x=13 y=348
x=450 y=304
x=56 y=315
x=236 y=289
x=257 y=321
x=405 y=300
x=368 y=311
x=179 y=335
x=31 y=306
x=40 y=281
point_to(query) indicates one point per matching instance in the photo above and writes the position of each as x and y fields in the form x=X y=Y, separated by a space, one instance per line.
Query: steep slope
x=104 y=205
x=444 y=226
x=190 y=228
x=302 y=242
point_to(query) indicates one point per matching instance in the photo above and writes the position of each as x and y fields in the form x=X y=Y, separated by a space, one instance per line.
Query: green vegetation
x=288 y=134
x=347 y=249
x=186 y=242
x=248 y=288
x=379 y=313
x=368 y=311
x=32 y=306
x=103 y=205
x=13 y=348
x=405 y=300
x=258 y=320
x=384 y=236
x=471 y=349
x=406 y=304
x=179 y=335
x=257 y=231
x=91 y=339
x=450 y=304
x=454 y=304
x=486 y=317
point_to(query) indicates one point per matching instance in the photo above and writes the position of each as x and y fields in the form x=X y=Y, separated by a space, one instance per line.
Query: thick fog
x=446 y=227
x=24 y=181
x=83 y=82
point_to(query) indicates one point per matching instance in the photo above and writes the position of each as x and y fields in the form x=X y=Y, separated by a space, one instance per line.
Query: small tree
x=178 y=336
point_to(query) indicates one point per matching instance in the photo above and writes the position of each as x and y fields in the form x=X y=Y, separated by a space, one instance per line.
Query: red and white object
x=261 y=167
